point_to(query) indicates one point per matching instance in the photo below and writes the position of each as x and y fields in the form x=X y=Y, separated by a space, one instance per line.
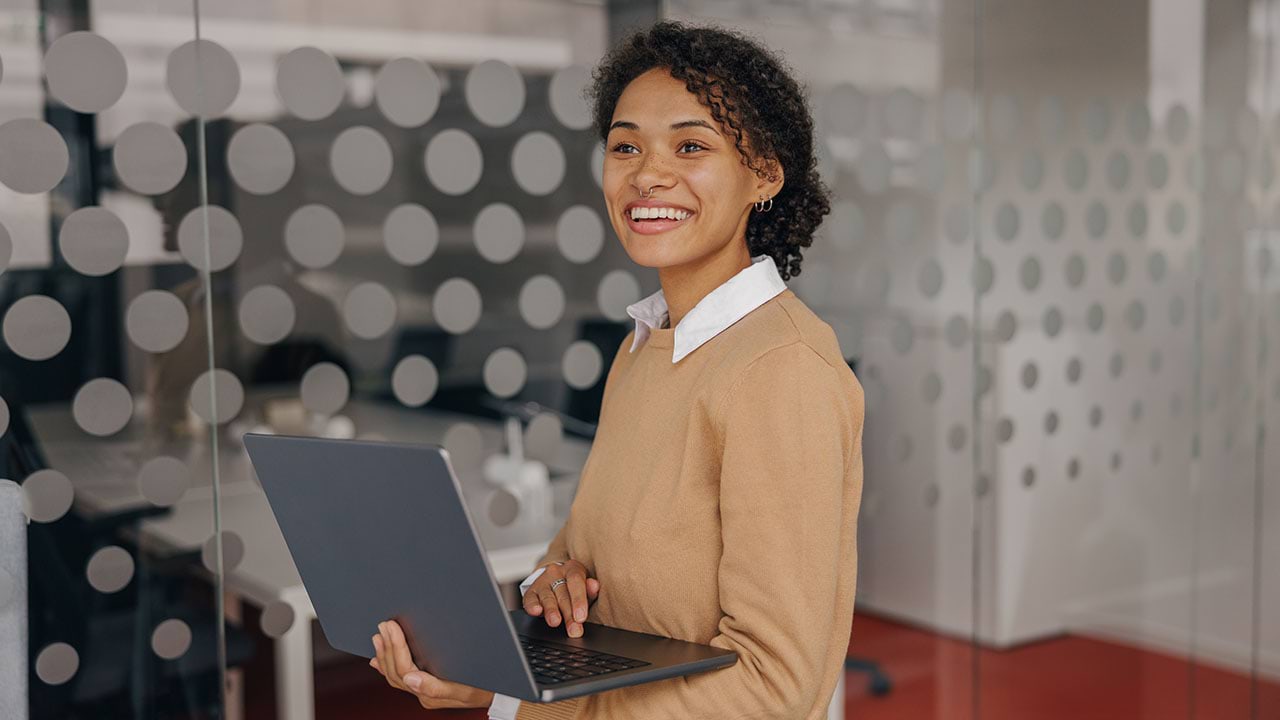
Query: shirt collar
x=752 y=287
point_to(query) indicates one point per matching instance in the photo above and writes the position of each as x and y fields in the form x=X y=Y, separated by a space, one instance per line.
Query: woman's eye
x=631 y=149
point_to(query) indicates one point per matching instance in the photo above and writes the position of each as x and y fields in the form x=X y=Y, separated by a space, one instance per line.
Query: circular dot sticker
x=47 y=495
x=232 y=552
x=579 y=234
x=566 y=97
x=465 y=446
x=37 y=327
x=260 y=158
x=110 y=569
x=616 y=291
x=314 y=236
x=541 y=302
x=163 y=480
x=149 y=158
x=310 y=83
x=93 y=241
x=407 y=91
x=495 y=92
x=171 y=639
x=225 y=242
x=537 y=163
x=102 y=407
x=582 y=364
x=156 y=321
x=543 y=436
x=85 y=71
x=202 y=77
x=456 y=305
x=453 y=162
x=266 y=314
x=33 y=156
x=360 y=160
x=228 y=396
x=411 y=234
x=369 y=310
x=504 y=372
x=325 y=389
x=504 y=507
x=277 y=618
x=499 y=233
x=415 y=380
x=57 y=663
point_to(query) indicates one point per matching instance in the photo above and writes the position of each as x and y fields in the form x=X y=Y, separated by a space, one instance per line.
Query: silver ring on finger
x=557 y=584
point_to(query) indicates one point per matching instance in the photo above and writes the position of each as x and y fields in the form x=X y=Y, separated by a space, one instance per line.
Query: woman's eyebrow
x=674 y=126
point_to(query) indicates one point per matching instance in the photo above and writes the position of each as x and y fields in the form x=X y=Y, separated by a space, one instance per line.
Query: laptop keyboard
x=553 y=663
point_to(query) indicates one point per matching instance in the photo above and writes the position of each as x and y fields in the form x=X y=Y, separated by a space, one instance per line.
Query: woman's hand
x=568 y=600
x=395 y=662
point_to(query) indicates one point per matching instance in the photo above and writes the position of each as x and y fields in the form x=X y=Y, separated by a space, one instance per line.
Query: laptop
x=379 y=531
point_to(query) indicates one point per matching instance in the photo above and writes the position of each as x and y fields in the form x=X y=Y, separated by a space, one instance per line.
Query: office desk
x=104 y=472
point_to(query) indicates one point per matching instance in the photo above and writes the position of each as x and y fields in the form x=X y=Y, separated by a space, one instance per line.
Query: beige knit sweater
x=719 y=505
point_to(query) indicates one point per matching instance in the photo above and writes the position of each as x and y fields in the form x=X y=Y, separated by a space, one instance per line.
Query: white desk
x=104 y=474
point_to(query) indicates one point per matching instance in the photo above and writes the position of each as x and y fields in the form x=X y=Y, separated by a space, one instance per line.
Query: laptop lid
x=379 y=531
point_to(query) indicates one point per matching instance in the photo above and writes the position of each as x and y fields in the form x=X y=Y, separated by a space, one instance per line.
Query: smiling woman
x=691 y=102
x=719 y=502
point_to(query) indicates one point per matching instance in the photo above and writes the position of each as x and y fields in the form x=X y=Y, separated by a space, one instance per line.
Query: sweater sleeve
x=791 y=432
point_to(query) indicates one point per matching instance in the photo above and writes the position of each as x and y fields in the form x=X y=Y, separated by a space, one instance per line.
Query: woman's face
x=663 y=138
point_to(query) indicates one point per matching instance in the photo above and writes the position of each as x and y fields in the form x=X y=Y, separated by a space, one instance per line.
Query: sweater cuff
x=503 y=707
x=524 y=585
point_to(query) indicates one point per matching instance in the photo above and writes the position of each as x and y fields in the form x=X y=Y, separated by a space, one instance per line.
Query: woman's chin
x=648 y=251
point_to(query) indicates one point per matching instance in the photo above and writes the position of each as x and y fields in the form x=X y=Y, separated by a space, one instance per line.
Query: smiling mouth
x=653 y=225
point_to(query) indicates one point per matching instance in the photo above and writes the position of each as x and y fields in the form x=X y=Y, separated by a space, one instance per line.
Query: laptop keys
x=552 y=663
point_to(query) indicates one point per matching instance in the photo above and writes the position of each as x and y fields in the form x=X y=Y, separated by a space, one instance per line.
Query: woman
x=720 y=498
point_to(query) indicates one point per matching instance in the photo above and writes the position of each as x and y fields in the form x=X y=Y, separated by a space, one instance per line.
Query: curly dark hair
x=749 y=91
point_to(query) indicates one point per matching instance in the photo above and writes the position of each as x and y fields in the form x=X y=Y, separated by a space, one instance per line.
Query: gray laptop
x=379 y=531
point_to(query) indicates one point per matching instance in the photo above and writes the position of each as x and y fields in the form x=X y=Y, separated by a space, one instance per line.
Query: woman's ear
x=770 y=182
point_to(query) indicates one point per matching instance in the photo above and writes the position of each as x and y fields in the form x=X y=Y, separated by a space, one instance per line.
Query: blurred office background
x=1051 y=262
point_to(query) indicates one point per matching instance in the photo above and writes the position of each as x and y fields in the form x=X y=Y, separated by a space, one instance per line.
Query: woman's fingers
x=532 y=604
x=578 y=596
x=566 y=609
x=395 y=661
x=569 y=601
x=400 y=650
x=551 y=606
x=378 y=655
x=390 y=661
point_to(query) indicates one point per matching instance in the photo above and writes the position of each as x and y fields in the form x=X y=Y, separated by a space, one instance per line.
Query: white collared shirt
x=752 y=287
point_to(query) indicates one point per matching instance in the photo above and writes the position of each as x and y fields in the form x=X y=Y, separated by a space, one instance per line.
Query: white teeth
x=648 y=213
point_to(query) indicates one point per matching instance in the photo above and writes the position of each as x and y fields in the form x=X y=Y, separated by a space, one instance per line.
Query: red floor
x=1068 y=678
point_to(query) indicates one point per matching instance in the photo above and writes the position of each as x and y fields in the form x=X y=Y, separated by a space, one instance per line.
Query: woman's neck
x=684 y=286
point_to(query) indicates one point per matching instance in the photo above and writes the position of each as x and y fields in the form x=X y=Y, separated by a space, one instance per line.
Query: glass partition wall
x=105 y=374
x=1049 y=261
x=1049 y=258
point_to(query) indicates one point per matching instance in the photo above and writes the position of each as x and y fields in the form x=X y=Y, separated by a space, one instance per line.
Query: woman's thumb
x=593 y=588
